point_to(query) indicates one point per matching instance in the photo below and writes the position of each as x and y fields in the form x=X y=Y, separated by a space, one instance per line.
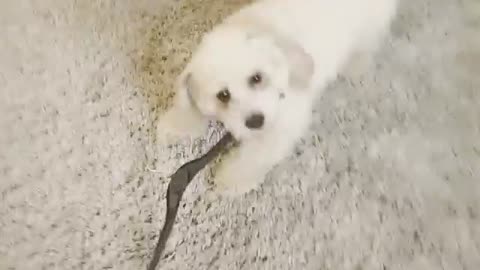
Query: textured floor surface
x=388 y=177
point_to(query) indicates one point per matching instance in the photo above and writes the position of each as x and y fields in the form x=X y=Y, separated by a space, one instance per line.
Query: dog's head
x=240 y=78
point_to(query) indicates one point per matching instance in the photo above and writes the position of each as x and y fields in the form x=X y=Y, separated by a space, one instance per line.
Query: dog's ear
x=300 y=63
x=183 y=97
x=184 y=116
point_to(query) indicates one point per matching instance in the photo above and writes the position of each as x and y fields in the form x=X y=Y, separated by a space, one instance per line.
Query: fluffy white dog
x=260 y=71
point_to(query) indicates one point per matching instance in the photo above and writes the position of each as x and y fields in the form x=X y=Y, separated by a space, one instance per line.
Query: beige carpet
x=388 y=178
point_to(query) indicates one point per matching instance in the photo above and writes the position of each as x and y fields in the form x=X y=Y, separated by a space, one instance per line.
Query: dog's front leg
x=246 y=167
x=179 y=122
x=182 y=123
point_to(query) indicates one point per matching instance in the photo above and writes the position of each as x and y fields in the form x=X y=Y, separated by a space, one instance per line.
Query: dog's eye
x=224 y=95
x=255 y=79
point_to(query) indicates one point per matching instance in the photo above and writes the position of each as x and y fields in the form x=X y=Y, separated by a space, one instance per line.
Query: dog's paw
x=233 y=182
x=172 y=128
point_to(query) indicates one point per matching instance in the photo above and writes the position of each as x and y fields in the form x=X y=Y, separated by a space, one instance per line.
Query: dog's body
x=260 y=71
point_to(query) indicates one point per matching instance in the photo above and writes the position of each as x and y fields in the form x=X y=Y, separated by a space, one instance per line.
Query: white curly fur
x=298 y=47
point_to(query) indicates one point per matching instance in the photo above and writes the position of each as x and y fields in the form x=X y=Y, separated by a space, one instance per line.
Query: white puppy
x=260 y=71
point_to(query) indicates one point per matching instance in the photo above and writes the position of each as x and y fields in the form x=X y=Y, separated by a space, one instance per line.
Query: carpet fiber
x=387 y=178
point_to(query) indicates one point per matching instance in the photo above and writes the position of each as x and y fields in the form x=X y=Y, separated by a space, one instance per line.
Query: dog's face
x=241 y=79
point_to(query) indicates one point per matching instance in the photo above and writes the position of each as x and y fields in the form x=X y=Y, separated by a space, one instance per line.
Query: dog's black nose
x=255 y=121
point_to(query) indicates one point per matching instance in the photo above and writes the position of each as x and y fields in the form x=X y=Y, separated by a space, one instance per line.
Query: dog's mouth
x=225 y=127
x=246 y=133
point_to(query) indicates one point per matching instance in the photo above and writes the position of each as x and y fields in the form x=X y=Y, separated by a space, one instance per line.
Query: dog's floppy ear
x=184 y=116
x=184 y=101
x=300 y=63
x=183 y=97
